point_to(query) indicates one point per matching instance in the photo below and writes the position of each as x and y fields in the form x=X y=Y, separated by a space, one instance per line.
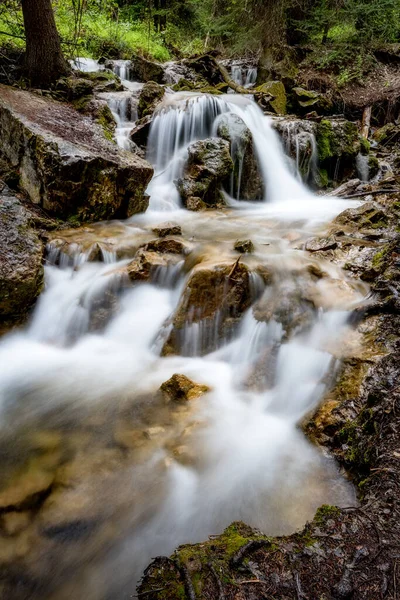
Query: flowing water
x=101 y=471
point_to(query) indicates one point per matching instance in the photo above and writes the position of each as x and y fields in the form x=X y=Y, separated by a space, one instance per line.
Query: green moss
x=365 y=146
x=325 y=512
x=325 y=140
x=276 y=89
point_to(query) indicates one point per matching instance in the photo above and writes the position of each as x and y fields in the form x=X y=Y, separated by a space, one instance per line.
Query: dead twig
x=231 y=272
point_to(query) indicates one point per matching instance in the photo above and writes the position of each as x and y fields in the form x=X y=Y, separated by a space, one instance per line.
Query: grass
x=99 y=36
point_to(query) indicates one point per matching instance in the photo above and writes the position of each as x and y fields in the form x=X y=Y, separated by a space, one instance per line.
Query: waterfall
x=300 y=143
x=118 y=471
x=244 y=76
x=185 y=118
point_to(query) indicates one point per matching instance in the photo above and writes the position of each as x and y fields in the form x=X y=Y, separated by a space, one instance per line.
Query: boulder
x=65 y=163
x=245 y=182
x=215 y=297
x=244 y=246
x=338 y=144
x=207 y=67
x=321 y=244
x=140 y=132
x=21 y=252
x=165 y=229
x=299 y=139
x=166 y=246
x=180 y=388
x=305 y=101
x=195 y=204
x=151 y=94
x=146 y=263
x=141 y=69
x=272 y=96
x=209 y=164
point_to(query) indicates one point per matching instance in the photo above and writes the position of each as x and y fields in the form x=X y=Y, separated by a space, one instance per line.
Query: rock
x=140 y=132
x=244 y=246
x=166 y=246
x=368 y=216
x=305 y=100
x=299 y=139
x=206 y=67
x=338 y=144
x=21 y=253
x=245 y=183
x=73 y=87
x=151 y=94
x=145 y=70
x=145 y=263
x=214 y=297
x=65 y=163
x=276 y=90
x=195 y=204
x=180 y=388
x=388 y=135
x=165 y=229
x=321 y=244
x=286 y=302
x=209 y=163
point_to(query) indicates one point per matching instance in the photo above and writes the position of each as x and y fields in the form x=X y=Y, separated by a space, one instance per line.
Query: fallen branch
x=231 y=272
x=373 y=192
x=252 y=546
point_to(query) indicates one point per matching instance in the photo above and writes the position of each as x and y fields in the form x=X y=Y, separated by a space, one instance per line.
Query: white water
x=234 y=454
x=187 y=117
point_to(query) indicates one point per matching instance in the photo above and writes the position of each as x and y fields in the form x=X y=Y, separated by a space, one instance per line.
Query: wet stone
x=244 y=246
x=165 y=229
x=196 y=204
x=321 y=244
x=180 y=388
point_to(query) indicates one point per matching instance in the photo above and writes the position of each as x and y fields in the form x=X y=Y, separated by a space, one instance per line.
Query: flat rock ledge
x=65 y=164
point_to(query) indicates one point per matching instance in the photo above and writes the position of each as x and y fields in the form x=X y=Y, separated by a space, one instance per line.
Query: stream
x=120 y=474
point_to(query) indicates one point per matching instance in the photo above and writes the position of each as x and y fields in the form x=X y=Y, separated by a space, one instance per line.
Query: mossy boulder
x=145 y=70
x=245 y=181
x=21 y=253
x=388 y=135
x=338 y=144
x=65 y=163
x=151 y=94
x=209 y=163
x=305 y=101
x=277 y=93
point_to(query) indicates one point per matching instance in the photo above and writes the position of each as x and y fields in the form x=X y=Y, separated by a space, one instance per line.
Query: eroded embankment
x=351 y=552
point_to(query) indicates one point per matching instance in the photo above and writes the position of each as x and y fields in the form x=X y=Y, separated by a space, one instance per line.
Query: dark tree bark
x=44 y=60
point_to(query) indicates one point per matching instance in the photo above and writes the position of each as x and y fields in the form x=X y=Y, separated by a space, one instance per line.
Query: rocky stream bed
x=199 y=360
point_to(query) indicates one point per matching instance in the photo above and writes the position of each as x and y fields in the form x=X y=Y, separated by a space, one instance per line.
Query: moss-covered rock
x=65 y=163
x=305 y=101
x=338 y=144
x=145 y=70
x=208 y=165
x=277 y=102
x=21 y=253
x=151 y=94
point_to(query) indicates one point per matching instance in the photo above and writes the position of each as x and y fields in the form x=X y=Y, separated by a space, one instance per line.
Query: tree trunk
x=44 y=59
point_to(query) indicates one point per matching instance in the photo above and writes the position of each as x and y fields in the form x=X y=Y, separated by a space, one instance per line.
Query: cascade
x=133 y=474
x=187 y=117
